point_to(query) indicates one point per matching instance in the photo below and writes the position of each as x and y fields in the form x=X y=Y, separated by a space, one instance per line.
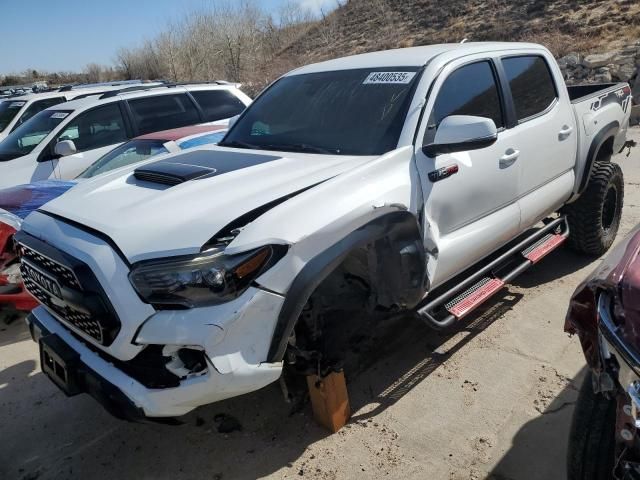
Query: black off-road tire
x=594 y=218
x=591 y=449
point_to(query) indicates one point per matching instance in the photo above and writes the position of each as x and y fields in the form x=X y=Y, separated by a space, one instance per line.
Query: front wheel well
x=383 y=271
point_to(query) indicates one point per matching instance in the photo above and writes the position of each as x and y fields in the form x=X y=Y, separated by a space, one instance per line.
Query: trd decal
x=621 y=97
x=442 y=173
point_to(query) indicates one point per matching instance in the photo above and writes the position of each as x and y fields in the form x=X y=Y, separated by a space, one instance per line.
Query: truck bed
x=578 y=93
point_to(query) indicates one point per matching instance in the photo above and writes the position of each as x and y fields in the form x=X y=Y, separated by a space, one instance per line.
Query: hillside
x=562 y=25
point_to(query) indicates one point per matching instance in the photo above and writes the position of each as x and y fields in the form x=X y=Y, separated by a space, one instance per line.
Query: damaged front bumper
x=76 y=368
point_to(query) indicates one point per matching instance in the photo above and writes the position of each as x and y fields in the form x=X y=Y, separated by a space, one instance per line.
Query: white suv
x=16 y=110
x=63 y=140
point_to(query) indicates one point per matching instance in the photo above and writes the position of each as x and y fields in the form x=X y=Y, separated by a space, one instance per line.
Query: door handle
x=565 y=132
x=509 y=158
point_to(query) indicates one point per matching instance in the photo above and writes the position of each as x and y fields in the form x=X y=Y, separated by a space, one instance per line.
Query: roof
x=408 y=57
x=182 y=132
x=34 y=96
x=155 y=90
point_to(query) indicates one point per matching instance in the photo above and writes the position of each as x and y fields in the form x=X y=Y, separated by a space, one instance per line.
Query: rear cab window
x=218 y=104
x=532 y=86
x=163 y=112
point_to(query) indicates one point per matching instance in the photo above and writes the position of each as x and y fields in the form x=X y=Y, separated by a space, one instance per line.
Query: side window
x=37 y=107
x=470 y=90
x=218 y=104
x=162 y=112
x=531 y=83
x=96 y=128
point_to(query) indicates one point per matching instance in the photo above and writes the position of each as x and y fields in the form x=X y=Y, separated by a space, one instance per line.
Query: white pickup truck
x=421 y=179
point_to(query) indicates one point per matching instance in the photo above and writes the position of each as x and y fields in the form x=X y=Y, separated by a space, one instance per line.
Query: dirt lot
x=492 y=400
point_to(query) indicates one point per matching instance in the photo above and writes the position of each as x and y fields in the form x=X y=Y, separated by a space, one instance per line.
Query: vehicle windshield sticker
x=17 y=104
x=59 y=115
x=388 y=77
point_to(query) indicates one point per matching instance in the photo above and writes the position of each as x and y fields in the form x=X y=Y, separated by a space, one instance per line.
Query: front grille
x=79 y=320
x=63 y=273
x=68 y=289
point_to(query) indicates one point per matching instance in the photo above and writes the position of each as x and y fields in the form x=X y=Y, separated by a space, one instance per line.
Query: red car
x=605 y=314
x=17 y=202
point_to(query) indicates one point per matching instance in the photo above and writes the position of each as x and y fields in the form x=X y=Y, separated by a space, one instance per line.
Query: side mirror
x=459 y=133
x=233 y=120
x=65 y=148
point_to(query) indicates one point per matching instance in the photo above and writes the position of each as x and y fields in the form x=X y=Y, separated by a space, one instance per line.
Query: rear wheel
x=594 y=218
x=591 y=451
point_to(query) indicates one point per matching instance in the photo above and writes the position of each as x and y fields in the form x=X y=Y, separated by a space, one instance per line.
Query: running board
x=458 y=301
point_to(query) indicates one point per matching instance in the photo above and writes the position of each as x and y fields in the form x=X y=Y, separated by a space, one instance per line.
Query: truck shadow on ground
x=539 y=448
x=557 y=264
x=246 y=437
x=406 y=352
x=12 y=328
x=256 y=434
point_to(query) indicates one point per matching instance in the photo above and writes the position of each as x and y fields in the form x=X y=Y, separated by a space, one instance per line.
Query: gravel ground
x=493 y=400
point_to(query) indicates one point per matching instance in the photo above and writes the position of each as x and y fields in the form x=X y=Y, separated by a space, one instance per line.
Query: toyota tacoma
x=420 y=179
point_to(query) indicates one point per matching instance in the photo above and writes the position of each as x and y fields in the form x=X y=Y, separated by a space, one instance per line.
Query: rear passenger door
x=163 y=112
x=218 y=104
x=93 y=133
x=545 y=139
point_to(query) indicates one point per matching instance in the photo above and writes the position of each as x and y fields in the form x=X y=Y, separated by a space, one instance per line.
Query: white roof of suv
x=130 y=92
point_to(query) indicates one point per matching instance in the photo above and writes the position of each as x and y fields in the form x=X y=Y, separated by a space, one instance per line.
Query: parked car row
x=421 y=179
x=17 y=109
x=17 y=202
x=107 y=116
x=63 y=140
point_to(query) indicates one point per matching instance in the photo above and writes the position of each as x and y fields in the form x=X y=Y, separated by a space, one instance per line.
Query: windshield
x=126 y=154
x=29 y=135
x=8 y=110
x=348 y=112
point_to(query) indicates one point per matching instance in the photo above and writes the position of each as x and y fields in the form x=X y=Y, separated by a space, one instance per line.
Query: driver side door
x=470 y=196
x=93 y=134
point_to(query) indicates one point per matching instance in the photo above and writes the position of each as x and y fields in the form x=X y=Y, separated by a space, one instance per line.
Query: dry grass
x=563 y=26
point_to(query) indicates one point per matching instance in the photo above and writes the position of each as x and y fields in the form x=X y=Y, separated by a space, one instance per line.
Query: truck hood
x=175 y=204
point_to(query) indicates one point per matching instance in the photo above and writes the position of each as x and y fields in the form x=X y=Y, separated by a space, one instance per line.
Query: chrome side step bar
x=443 y=311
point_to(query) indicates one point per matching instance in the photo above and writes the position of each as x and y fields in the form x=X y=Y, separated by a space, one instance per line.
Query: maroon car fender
x=619 y=274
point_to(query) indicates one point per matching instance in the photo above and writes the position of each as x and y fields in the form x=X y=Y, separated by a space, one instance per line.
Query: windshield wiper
x=297 y=147
x=237 y=144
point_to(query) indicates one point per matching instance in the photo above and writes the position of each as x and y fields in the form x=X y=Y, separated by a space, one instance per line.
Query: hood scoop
x=198 y=164
x=171 y=174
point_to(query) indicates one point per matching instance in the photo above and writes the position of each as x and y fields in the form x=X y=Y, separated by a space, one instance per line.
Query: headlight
x=208 y=278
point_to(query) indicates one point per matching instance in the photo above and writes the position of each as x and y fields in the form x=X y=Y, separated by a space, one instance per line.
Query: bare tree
x=93 y=73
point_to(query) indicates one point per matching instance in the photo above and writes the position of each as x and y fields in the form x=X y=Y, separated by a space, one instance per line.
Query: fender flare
x=599 y=140
x=398 y=225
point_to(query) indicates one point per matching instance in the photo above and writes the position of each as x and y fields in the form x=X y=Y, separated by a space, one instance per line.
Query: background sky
x=66 y=35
